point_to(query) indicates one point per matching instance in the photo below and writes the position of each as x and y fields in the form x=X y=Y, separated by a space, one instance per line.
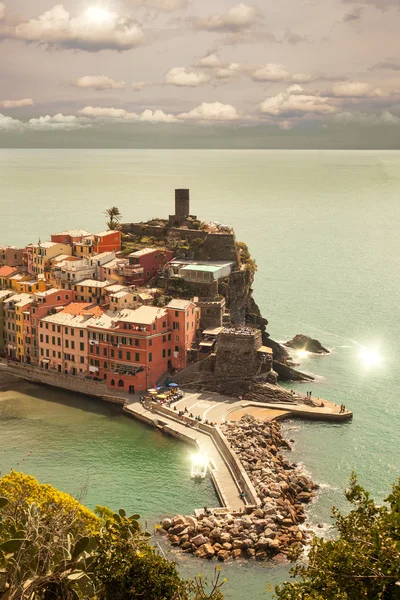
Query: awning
x=213 y=331
x=173 y=385
x=265 y=350
x=207 y=344
x=45 y=360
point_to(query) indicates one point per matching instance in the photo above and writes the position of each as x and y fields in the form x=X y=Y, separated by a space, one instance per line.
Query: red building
x=150 y=260
x=69 y=236
x=183 y=321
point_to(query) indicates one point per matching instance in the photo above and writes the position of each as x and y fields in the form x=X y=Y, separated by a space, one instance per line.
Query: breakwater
x=271 y=530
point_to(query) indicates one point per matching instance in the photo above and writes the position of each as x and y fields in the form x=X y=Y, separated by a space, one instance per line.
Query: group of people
x=342 y=409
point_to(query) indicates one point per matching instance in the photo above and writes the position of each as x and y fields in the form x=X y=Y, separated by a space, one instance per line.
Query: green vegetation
x=248 y=263
x=363 y=563
x=113 y=217
x=53 y=548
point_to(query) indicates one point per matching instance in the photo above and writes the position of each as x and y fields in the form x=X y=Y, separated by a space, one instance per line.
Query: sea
x=324 y=229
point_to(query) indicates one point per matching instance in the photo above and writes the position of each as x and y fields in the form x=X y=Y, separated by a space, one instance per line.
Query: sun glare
x=302 y=353
x=99 y=15
x=370 y=357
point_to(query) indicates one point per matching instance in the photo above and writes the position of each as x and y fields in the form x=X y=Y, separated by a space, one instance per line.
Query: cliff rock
x=304 y=342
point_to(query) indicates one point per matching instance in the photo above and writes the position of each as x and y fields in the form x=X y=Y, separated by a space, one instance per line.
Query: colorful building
x=38 y=256
x=11 y=256
x=5 y=273
x=24 y=284
x=91 y=291
x=63 y=340
x=105 y=241
x=4 y=295
x=14 y=324
x=70 y=236
x=150 y=260
x=43 y=304
x=183 y=320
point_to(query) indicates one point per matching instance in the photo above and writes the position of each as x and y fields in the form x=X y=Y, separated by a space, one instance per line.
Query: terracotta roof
x=83 y=308
x=6 y=271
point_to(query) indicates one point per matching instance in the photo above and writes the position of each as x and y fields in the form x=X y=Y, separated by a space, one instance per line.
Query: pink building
x=69 y=236
x=44 y=304
x=63 y=339
x=183 y=320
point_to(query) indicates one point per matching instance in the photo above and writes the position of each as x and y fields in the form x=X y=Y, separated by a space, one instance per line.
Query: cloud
x=303 y=77
x=385 y=118
x=16 y=103
x=294 y=38
x=238 y=18
x=211 y=111
x=380 y=4
x=157 y=116
x=9 y=124
x=248 y=37
x=107 y=113
x=210 y=61
x=137 y=86
x=227 y=73
x=183 y=77
x=270 y=72
x=119 y=114
x=161 y=5
x=354 y=89
x=57 y=122
x=388 y=64
x=94 y=30
x=353 y=16
x=98 y=82
x=293 y=102
x=2 y=11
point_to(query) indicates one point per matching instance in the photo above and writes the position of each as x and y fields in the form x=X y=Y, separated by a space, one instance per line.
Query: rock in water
x=304 y=342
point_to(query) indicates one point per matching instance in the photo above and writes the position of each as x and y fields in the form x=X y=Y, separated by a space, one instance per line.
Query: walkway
x=224 y=481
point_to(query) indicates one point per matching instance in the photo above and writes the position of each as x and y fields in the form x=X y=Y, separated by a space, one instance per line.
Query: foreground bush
x=363 y=563
x=53 y=548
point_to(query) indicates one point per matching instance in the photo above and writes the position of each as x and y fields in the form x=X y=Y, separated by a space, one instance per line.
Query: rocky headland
x=270 y=531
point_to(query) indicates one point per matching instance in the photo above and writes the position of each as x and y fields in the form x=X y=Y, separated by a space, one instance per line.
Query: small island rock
x=304 y=342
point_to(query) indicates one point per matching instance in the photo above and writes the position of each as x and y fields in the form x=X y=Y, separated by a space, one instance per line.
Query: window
x=47 y=339
x=128 y=356
x=164 y=323
x=169 y=351
x=175 y=325
x=154 y=326
x=119 y=353
x=47 y=353
x=105 y=365
x=187 y=326
x=150 y=357
x=169 y=337
x=82 y=359
x=66 y=331
x=176 y=313
x=97 y=350
x=112 y=353
x=66 y=343
x=81 y=333
x=41 y=336
x=137 y=357
x=177 y=338
x=73 y=345
x=104 y=351
x=164 y=353
x=53 y=327
x=54 y=353
x=58 y=354
x=81 y=346
x=150 y=342
x=53 y=340
x=120 y=383
x=58 y=297
x=136 y=342
x=58 y=341
x=72 y=331
x=58 y=328
x=176 y=348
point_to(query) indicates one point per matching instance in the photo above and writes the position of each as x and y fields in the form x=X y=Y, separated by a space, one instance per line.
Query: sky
x=200 y=73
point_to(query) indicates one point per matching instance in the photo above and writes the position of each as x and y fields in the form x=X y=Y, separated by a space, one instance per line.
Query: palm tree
x=114 y=216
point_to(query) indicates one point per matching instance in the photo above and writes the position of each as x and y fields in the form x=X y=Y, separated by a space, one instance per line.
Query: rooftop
x=202 y=268
x=7 y=271
x=104 y=233
x=46 y=293
x=93 y=283
x=73 y=232
x=144 y=315
x=21 y=299
x=115 y=288
x=142 y=252
x=179 y=304
x=44 y=244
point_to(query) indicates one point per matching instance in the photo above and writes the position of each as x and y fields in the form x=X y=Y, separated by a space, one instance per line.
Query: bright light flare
x=302 y=353
x=199 y=459
x=370 y=357
x=98 y=15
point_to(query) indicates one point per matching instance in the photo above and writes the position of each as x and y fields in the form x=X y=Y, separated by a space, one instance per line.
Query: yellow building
x=14 y=324
x=4 y=295
x=39 y=256
x=91 y=291
x=24 y=284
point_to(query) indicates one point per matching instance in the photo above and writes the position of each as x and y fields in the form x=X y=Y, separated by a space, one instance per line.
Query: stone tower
x=182 y=209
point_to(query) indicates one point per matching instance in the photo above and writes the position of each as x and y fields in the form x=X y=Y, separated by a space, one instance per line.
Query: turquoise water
x=323 y=227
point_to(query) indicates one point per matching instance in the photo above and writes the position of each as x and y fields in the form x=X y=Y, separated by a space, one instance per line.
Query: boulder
x=177 y=529
x=236 y=553
x=305 y=342
x=166 y=524
x=209 y=550
x=223 y=555
x=199 y=540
